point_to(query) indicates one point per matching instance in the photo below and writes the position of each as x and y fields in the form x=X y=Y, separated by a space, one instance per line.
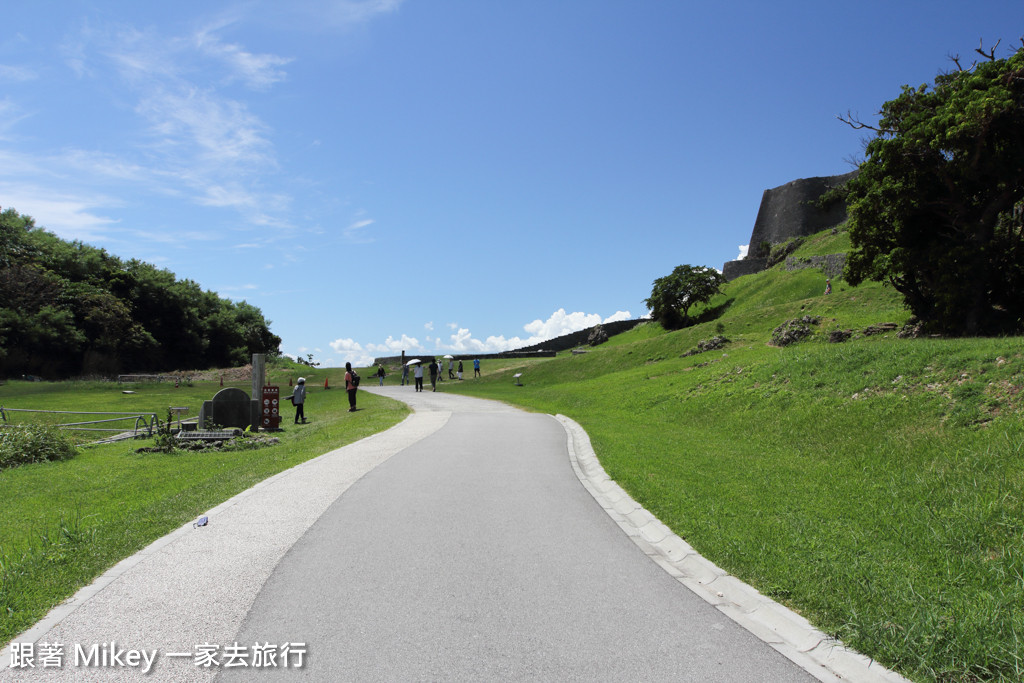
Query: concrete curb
x=822 y=656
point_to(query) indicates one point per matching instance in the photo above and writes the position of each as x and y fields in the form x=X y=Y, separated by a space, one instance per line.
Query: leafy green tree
x=68 y=308
x=938 y=207
x=673 y=295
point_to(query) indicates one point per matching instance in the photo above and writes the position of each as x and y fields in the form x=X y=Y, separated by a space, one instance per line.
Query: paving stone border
x=824 y=657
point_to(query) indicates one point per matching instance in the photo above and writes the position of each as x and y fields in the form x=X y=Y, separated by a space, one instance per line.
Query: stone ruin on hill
x=789 y=211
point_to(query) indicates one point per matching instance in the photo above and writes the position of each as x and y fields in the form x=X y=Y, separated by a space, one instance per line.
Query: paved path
x=459 y=545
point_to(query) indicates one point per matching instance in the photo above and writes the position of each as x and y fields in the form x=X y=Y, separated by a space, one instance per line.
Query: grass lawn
x=62 y=524
x=874 y=486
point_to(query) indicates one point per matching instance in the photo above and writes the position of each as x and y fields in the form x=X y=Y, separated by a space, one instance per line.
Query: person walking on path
x=460 y=369
x=451 y=375
x=418 y=376
x=440 y=370
x=476 y=368
x=351 y=385
x=433 y=375
x=380 y=375
x=405 y=374
x=299 y=400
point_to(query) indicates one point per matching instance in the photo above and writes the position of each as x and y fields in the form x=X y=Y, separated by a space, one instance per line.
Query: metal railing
x=144 y=422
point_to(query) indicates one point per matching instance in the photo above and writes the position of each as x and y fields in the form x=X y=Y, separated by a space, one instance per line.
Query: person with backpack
x=351 y=385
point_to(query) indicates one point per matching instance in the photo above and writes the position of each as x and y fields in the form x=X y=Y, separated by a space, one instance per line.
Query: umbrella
x=414 y=361
x=449 y=356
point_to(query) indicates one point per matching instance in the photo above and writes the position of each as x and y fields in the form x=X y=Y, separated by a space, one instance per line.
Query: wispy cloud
x=72 y=216
x=188 y=128
x=257 y=71
x=17 y=74
x=344 y=14
x=196 y=140
x=356 y=232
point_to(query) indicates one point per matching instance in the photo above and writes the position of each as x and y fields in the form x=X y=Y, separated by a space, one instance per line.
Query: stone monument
x=231 y=408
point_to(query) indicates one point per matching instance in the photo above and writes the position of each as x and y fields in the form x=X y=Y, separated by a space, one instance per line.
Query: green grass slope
x=873 y=486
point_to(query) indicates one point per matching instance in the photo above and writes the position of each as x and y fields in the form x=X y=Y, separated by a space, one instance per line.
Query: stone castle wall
x=788 y=211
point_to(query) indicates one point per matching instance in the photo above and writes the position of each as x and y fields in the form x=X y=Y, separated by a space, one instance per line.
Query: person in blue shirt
x=476 y=367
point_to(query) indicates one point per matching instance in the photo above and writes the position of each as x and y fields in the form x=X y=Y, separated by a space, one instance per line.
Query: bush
x=33 y=443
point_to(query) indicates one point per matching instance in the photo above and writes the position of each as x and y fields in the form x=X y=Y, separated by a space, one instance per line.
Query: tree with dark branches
x=936 y=210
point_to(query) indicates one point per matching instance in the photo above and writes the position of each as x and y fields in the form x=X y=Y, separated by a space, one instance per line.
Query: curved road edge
x=783 y=629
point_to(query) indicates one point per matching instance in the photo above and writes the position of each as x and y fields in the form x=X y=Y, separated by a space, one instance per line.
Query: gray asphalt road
x=476 y=554
x=471 y=542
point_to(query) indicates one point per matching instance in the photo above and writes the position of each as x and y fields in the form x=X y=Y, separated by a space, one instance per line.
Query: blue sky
x=438 y=175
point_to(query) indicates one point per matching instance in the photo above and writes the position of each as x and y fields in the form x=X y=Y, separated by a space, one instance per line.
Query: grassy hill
x=872 y=485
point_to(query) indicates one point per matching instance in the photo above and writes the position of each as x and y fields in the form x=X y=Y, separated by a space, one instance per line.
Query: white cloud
x=393 y=347
x=429 y=326
x=70 y=216
x=557 y=324
x=352 y=352
x=617 y=316
x=743 y=251
x=17 y=74
x=560 y=323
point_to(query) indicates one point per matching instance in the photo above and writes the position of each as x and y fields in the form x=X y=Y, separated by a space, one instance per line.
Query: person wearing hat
x=299 y=399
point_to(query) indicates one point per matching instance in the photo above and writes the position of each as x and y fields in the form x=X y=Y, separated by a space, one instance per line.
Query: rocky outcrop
x=792 y=331
x=830 y=264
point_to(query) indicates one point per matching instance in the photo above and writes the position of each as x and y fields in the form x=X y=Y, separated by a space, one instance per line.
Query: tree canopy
x=674 y=294
x=68 y=309
x=938 y=207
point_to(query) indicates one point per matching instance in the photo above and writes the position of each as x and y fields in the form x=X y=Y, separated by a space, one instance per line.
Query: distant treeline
x=69 y=309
